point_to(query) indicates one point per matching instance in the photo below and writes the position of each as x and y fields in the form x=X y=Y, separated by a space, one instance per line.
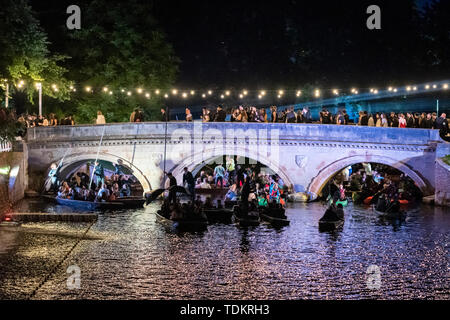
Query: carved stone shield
x=301 y=160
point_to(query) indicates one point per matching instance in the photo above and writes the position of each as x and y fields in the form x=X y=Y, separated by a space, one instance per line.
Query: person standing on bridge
x=220 y=114
x=442 y=126
x=188 y=115
x=100 y=118
x=164 y=115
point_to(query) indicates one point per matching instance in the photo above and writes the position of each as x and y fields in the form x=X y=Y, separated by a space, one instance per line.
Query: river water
x=130 y=255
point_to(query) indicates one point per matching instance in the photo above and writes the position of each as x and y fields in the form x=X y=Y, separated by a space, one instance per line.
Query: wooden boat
x=325 y=225
x=182 y=224
x=89 y=205
x=218 y=215
x=131 y=202
x=399 y=215
x=251 y=219
x=119 y=203
x=274 y=216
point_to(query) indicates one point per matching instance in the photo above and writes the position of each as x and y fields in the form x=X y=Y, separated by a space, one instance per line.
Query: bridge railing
x=5 y=146
x=196 y=130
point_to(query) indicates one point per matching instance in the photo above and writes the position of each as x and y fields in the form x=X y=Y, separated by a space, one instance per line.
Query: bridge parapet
x=198 y=130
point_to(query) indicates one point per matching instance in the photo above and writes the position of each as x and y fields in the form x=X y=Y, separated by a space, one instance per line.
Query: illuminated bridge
x=305 y=156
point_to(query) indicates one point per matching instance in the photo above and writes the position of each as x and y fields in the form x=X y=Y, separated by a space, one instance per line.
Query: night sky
x=255 y=44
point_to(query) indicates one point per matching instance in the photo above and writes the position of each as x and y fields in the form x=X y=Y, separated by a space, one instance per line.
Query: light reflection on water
x=129 y=255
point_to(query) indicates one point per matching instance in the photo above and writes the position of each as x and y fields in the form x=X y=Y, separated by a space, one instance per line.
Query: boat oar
x=149 y=197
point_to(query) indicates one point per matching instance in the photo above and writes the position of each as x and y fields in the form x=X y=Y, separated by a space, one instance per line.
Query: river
x=130 y=255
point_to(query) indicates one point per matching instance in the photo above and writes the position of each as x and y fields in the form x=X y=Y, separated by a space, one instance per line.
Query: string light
x=280 y=93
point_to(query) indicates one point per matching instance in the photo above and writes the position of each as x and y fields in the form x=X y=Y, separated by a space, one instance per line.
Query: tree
x=118 y=49
x=436 y=37
x=25 y=56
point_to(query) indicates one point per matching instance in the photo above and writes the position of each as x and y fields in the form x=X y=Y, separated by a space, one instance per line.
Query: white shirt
x=100 y=119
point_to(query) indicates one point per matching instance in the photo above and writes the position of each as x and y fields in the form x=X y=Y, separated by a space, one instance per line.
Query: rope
x=55 y=268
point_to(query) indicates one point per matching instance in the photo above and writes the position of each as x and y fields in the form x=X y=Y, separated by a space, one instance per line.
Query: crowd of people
x=367 y=182
x=272 y=114
x=240 y=181
x=99 y=187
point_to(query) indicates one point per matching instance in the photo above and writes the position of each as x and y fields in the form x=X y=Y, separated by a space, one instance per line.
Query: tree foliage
x=24 y=53
x=119 y=47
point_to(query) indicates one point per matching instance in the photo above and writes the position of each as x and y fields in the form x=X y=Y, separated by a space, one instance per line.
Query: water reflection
x=130 y=255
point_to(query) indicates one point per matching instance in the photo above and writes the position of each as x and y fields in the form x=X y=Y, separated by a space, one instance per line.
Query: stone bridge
x=305 y=156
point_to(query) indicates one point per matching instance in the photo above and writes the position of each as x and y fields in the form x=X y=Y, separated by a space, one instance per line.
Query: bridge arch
x=193 y=163
x=74 y=161
x=325 y=174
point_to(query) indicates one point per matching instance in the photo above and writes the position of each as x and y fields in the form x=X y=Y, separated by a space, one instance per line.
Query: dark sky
x=286 y=42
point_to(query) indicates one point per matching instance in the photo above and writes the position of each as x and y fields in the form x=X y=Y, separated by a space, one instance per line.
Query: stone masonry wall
x=442 y=188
